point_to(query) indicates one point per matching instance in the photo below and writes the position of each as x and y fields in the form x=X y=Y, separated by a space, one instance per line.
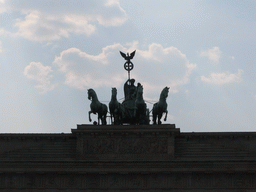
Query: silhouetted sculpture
x=130 y=89
x=160 y=107
x=97 y=107
x=140 y=112
x=128 y=57
x=133 y=110
x=128 y=65
x=134 y=106
x=115 y=108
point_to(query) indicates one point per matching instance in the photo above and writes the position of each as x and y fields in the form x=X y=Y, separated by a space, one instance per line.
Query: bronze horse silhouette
x=160 y=107
x=97 y=107
x=115 y=108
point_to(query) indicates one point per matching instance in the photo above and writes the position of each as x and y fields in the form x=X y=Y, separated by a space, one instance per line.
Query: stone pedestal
x=129 y=142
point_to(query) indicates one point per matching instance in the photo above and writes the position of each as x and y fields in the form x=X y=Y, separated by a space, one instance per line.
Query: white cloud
x=40 y=27
x=166 y=66
x=41 y=74
x=5 y=32
x=54 y=19
x=213 y=54
x=3 y=8
x=223 y=78
x=83 y=70
x=169 y=66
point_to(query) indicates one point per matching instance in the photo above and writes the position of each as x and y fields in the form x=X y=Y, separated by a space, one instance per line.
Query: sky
x=53 y=51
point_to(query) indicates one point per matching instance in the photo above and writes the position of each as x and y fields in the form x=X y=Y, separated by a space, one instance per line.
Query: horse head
x=164 y=93
x=139 y=88
x=167 y=90
x=139 y=92
x=114 y=91
x=91 y=93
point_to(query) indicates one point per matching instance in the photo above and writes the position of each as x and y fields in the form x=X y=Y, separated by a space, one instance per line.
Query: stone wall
x=129 y=182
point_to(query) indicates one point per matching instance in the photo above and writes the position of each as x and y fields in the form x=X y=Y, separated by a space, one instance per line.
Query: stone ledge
x=84 y=128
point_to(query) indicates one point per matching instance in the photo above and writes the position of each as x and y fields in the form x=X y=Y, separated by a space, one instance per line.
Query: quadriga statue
x=133 y=110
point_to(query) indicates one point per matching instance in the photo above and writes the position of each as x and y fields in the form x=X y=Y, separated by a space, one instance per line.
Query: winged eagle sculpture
x=128 y=57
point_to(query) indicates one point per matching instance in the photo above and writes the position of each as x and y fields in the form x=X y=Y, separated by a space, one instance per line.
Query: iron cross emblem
x=128 y=65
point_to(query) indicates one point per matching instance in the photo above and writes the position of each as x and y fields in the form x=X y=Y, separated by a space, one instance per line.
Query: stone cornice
x=127 y=166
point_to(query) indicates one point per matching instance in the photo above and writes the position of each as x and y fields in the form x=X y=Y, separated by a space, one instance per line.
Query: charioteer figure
x=130 y=90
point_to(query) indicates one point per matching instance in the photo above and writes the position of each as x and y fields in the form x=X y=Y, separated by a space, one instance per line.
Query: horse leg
x=144 y=114
x=159 y=118
x=147 y=117
x=111 y=118
x=103 y=118
x=115 y=115
x=119 y=114
x=154 y=116
x=166 y=112
x=104 y=121
x=90 y=116
x=155 y=112
x=99 y=118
